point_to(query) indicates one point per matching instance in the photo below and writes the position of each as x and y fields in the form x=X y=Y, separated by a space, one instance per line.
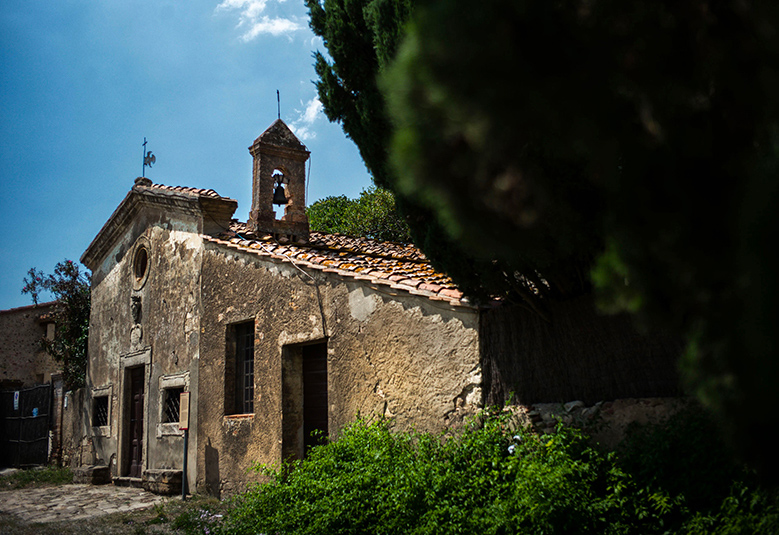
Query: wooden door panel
x=135 y=431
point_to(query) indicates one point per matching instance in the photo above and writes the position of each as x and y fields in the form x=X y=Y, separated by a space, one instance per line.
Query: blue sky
x=82 y=82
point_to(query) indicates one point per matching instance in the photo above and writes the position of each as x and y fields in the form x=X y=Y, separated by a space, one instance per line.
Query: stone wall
x=399 y=356
x=76 y=445
x=23 y=362
x=605 y=421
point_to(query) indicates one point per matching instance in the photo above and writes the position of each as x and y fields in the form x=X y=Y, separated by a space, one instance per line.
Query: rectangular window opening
x=239 y=369
x=171 y=409
x=100 y=411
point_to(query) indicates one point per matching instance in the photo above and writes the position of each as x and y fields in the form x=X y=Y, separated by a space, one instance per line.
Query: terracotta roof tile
x=435 y=288
x=398 y=266
x=161 y=188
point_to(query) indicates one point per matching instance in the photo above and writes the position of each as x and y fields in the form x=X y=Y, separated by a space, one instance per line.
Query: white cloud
x=254 y=23
x=275 y=27
x=303 y=125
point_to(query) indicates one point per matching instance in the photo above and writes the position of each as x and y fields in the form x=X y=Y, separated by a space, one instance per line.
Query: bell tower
x=279 y=177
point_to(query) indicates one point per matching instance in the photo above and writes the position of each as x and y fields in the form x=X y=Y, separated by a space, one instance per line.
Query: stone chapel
x=276 y=331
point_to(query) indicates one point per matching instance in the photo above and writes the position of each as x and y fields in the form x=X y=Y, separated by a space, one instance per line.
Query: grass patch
x=36 y=477
x=204 y=516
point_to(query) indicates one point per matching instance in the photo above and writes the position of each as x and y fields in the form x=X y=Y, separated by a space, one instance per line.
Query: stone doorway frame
x=129 y=361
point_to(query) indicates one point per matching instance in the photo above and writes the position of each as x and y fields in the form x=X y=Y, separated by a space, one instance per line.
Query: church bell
x=278 y=195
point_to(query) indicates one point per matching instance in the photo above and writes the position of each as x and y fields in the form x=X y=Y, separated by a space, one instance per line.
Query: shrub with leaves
x=488 y=478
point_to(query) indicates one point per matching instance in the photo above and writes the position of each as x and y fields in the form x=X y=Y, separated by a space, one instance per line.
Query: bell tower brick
x=279 y=159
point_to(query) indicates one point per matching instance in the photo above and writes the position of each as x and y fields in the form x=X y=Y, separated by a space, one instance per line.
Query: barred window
x=171 y=407
x=239 y=372
x=245 y=359
x=100 y=411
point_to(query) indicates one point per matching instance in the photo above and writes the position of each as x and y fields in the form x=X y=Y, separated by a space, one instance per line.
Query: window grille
x=245 y=366
x=171 y=410
x=100 y=412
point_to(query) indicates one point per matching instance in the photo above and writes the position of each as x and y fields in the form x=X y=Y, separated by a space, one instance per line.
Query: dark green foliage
x=361 y=37
x=541 y=147
x=744 y=512
x=682 y=456
x=488 y=479
x=372 y=215
x=71 y=289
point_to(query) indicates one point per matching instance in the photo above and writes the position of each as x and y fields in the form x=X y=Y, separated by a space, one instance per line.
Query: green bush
x=682 y=456
x=742 y=512
x=490 y=479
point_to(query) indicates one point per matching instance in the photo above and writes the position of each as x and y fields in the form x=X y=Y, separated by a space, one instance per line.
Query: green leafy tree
x=638 y=137
x=362 y=37
x=633 y=145
x=71 y=289
x=372 y=215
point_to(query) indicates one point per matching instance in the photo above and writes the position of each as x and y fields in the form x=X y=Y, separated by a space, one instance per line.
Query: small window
x=100 y=411
x=239 y=370
x=140 y=265
x=171 y=409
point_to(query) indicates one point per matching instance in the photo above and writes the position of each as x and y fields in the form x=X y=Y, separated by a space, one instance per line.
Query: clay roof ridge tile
x=450 y=292
x=184 y=189
x=433 y=288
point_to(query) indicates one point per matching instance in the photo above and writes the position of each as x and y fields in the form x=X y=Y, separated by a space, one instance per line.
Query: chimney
x=279 y=162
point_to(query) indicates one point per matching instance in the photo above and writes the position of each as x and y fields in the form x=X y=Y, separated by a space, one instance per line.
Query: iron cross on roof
x=148 y=158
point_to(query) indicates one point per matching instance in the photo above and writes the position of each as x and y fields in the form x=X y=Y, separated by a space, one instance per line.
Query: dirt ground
x=157 y=519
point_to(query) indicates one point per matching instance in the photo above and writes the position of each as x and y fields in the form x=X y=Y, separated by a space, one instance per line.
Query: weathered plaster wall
x=162 y=334
x=397 y=356
x=76 y=444
x=23 y=362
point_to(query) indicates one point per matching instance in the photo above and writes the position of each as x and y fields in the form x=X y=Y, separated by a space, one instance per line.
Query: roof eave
x=219 y=210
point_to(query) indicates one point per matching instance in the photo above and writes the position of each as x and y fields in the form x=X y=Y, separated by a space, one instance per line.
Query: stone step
x=92 y=475
x=126 y=481
x=162 y=481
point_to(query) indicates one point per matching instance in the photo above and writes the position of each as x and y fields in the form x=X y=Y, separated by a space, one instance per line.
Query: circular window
x=140 y=266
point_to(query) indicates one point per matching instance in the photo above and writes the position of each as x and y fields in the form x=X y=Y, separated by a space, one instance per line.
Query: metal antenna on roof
x=148 y=158
x=278 y=104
